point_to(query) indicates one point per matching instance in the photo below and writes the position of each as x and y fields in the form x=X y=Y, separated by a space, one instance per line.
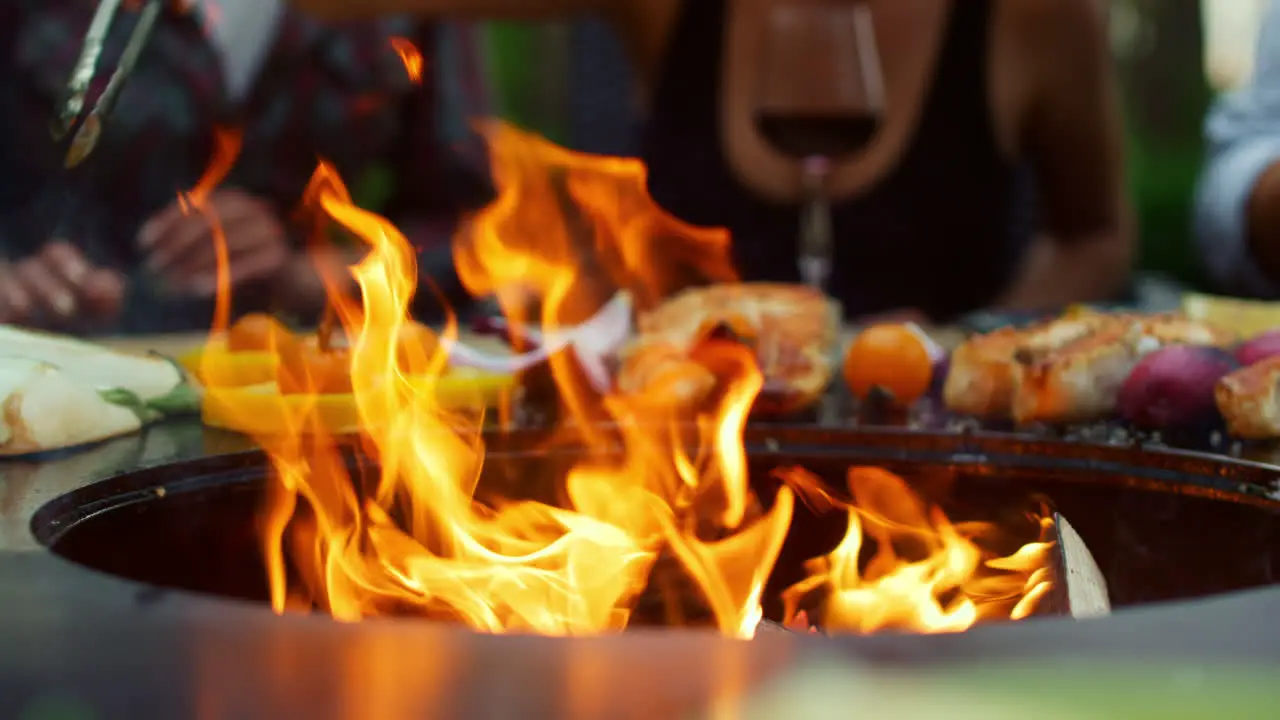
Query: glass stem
x=815 y=223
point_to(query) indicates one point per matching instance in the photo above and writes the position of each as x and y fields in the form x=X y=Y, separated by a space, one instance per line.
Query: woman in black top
x=994 y=182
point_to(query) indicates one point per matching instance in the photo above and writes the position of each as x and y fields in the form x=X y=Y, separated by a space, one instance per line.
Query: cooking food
x=58 y=392
x=258 y=332
x=259 y=372
x=1259 y=348
x=248 y=353
x=897 y=361
x=1247 y=399
x=983 y=370
x=792 y=329
x=1246 y=318
x=1173 y=387
x=1065 y=370
x=259 y=349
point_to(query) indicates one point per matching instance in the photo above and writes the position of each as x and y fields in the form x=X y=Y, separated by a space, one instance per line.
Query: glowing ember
x=660 y=493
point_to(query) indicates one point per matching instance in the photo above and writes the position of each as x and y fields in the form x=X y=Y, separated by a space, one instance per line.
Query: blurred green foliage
x=1044 y=690
x=1162 y=176
x=1159 y=47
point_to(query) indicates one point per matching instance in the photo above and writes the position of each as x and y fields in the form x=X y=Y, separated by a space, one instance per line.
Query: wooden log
x=1077 y=587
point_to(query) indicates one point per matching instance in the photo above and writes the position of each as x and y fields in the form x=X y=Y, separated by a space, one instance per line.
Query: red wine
x=812 y=135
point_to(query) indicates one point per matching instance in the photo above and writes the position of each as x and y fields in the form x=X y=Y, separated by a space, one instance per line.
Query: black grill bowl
x=1164 y=525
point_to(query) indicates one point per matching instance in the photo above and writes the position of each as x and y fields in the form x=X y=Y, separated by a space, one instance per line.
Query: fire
x=658 y=506
x=949 y=585
x=226 y=148
x=569 y=229
x=410 y=56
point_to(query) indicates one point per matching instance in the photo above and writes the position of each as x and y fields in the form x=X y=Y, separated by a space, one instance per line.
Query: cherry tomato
x=259 y=332
x=312 y=370
x=893 y=358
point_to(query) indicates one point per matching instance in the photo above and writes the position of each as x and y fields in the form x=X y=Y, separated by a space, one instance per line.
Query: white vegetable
x=51 y=390
x=93 y=365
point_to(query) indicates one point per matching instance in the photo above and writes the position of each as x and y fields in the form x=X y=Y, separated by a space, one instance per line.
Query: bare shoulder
x=1061 y=32
x=1046 y=53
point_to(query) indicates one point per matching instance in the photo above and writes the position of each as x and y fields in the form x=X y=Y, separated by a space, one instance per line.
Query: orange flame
x=566 y=232
x=410 y=55
x=656 y=505
x=925 y=574
x=226 y=149
x=558 y=209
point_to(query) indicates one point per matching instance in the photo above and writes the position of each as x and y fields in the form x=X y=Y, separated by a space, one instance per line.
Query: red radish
x=1173 y=387
x=1259 y=347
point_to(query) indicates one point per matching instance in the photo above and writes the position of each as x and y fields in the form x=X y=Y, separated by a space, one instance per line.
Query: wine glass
x=821 y=100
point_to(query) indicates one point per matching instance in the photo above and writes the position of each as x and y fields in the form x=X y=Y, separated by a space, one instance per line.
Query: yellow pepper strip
x=215 y=366
x=1247 y=318
x=263 y=409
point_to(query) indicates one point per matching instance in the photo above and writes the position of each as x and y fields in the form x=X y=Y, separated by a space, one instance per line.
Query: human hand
x=56 y=285
x=180 y=246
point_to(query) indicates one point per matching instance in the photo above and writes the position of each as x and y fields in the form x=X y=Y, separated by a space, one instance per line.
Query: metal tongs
x=68 y=115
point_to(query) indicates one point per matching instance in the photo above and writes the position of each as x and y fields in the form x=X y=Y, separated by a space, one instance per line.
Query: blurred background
x=570 y=82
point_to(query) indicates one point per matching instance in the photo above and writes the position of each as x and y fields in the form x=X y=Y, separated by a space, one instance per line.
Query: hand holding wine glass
x=821 y=100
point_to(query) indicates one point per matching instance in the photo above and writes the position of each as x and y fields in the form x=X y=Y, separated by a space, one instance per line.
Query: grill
x=1180 y=538
x=1163 y=525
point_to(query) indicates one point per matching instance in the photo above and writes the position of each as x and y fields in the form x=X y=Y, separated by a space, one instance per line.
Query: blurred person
x=113 y=251
x=1237 y=204
x=994 y=181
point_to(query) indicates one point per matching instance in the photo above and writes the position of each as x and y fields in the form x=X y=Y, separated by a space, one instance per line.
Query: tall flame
x=225 y=151
x=658 y=505
x=569 y=228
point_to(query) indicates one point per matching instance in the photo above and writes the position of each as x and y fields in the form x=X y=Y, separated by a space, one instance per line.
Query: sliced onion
x=594 y=342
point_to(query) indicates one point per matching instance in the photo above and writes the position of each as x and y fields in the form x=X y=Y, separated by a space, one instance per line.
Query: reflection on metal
x=86 y=65
x=86 y=138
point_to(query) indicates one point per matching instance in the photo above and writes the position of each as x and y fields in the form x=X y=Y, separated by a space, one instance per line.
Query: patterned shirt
x=340 y=92
x=1242 y=135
